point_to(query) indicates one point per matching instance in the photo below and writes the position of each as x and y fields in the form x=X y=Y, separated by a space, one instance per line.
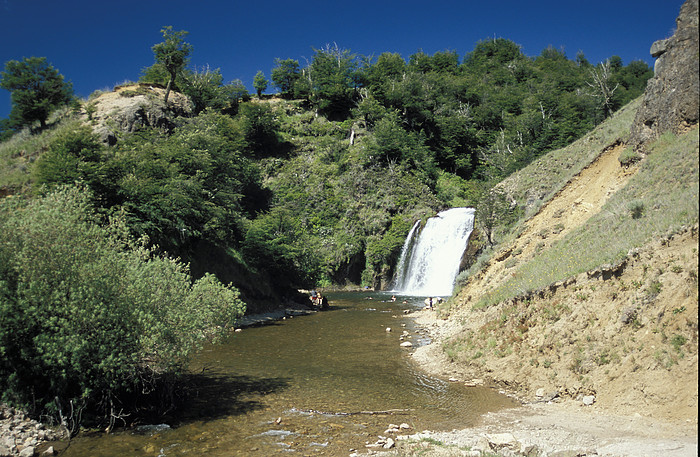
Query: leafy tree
x=493 y=52
x=332 y=74
x=173 y=54
x=206 y=90
x=493 y=211
x=260 y=129
x=5 y=129
x=71 y=156
x=36 y=87
x=260 y=83
x=277 y=243
x=285 y=75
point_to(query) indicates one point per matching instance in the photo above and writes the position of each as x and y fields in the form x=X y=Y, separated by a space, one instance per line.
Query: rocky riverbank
x=22 y=436
x=545 y=425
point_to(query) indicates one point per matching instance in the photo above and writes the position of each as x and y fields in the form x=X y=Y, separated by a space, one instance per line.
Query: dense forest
x=316 y=185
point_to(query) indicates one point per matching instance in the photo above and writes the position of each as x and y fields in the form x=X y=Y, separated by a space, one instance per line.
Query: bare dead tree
x=601 y=85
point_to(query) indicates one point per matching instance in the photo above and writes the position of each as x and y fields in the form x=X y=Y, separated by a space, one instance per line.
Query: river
x=305 y=386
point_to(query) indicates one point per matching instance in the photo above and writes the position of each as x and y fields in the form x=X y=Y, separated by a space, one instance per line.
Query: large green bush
x=89 y=318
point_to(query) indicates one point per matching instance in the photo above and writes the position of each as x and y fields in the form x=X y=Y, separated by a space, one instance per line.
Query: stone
x=388 y=444
x=406 y=344
x=540 y=392
x=5 y=451
x=588 y=400
x=671 y=99
x=49 y=451
x=482 y=444
x=388 y=329
x=28 y=451
x=658 y=48
x=503 y=440
x=530 y=450
x=134 y=107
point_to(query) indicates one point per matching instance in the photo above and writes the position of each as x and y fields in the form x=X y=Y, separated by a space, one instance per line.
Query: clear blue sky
x=97 y=44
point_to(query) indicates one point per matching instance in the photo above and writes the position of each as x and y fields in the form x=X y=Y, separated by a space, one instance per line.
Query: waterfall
x=429 y=264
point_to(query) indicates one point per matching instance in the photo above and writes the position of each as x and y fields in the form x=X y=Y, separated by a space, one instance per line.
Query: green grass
x=667 y=187
x=19 y=153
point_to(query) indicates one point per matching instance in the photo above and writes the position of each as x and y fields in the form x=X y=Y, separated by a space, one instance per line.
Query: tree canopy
x=36 y=87
x=173 y=54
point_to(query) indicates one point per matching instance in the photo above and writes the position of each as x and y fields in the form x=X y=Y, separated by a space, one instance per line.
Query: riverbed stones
x=381 y=443
x=406 y=344
x=28 y=451
x=588 y=400
x=19 y=434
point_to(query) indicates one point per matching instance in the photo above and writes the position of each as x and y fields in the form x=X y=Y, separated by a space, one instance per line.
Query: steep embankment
x=616 y=346
x=594 y=299
x=626 y=333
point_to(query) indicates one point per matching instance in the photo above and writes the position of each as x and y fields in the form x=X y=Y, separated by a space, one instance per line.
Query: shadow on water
x=212 y=397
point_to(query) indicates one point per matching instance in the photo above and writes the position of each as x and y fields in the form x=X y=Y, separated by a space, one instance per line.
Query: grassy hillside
x=596 y=291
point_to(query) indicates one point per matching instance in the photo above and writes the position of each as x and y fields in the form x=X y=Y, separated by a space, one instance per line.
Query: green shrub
x=636 y=209
x=629 y=157
x=89 y=318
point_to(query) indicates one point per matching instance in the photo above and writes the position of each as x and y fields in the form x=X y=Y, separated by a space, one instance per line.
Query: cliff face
x=671 y=97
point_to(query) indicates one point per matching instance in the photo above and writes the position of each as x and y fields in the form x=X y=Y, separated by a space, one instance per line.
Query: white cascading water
x=429 y=265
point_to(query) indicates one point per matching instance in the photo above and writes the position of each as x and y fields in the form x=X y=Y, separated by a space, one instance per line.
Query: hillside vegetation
x=210 y=192
x=319 y=184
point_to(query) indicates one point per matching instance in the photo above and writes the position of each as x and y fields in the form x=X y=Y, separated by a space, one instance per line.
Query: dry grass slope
x=596 y=293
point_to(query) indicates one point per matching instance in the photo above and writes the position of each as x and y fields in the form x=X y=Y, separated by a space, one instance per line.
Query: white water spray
x=429 y=264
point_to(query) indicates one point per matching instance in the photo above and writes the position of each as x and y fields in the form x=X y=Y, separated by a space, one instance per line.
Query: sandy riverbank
x=540 y=428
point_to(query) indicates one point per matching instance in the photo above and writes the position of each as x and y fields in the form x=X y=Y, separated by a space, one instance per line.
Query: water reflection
x=309 y=385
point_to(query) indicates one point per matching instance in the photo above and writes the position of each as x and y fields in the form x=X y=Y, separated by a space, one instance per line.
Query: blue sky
x=97 y=44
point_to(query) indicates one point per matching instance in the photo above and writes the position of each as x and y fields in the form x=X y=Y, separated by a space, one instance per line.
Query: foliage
x=331 y=75
x=172 y=54
x=260 y=83
x=37 y=89
x=493 y=210
x=277 y=243
x=285 y=76
x=206 y=90
x=191 y=185
x=88 y=316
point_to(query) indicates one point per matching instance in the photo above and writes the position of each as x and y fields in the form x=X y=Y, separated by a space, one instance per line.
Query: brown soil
x=627 y=336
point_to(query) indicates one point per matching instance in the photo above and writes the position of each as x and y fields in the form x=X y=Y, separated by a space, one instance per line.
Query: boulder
x=28 y=451
x=503 y=440
x=131 y=108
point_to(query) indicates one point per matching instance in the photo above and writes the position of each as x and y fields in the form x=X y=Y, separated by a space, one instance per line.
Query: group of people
x=318 y=300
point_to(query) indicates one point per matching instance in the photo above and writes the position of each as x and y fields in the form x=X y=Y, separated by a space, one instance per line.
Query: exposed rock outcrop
x=133 y=107
x=671 y=97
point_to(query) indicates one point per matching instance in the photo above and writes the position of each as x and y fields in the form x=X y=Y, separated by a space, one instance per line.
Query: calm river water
x=280 y=389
